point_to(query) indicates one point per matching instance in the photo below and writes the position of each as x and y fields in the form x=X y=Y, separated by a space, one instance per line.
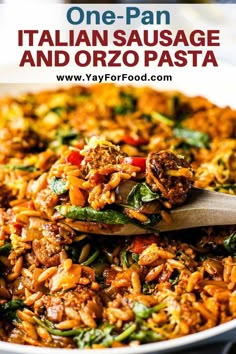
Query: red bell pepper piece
x=75 y=158
x=134 y=141
x=140 y=243
x=136 y=161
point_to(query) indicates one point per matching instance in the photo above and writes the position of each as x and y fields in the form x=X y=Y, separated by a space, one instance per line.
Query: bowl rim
x=208 y=335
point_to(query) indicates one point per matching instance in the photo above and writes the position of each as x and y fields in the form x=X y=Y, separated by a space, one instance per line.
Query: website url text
x=113 y=78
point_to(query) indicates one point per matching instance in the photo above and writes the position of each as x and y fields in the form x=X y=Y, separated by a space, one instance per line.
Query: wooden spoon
x=203 y=208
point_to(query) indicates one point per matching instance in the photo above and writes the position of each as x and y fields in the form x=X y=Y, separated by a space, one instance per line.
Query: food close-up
x=78 y=164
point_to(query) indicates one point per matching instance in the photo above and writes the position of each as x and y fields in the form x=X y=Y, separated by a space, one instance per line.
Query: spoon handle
x=204 y=208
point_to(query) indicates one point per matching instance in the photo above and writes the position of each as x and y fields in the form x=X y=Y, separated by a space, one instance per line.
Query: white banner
x=173 y=46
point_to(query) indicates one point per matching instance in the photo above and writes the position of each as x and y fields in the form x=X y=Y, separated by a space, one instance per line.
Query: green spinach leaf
x=29 y=168
x=153 y=219
x=66 y=137
x=8 y=310
x=57 y=185
x=61 y=110
x=5 y=249
x=145 y=335
x=142 y=311
x=128 y=105
x=126 y=333
x=192 y=137
x=158 y=117
x=124 y=259
x=174 y=279
x=225 y=187
x=88 y=337
x=230 y=244
x=135 y=257
x=56 y=332
x=92 y=258
x=107 y=216
x=141 y=193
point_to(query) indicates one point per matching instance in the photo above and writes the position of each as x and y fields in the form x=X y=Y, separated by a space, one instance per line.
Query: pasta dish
x=79 y=159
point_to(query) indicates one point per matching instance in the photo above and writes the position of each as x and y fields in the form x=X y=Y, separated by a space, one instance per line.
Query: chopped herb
x=147 y=117
x=57 y=332
x=88 y=337
x=184 y=258
x=175 y=103
x=99 y=267
x=180 y=111
x=58 y=110
x=8 y=310
x=138 y=331
x=183 y=145
x=25 y=168
x=141 y=193
x=66 y=137
x=99 y=279
x=157 y=117
x=82 y=97
x=145 y=335
x=57 y=185
x=148 y=289
x=142 y=311
x=91 y=259
x=174 y=279
x=127 y=332
x=135 y=257
x=230 y=244
x=203 y=257
x=85 y=337
x=124 y=259
x=121 y=110
x=221 y=162
x=5 y=249
x=192 y=137
x=185 y=149
x=128 y=105
x=225 y=186
x=61 y=110
x=74 y=249
x=29 y=168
